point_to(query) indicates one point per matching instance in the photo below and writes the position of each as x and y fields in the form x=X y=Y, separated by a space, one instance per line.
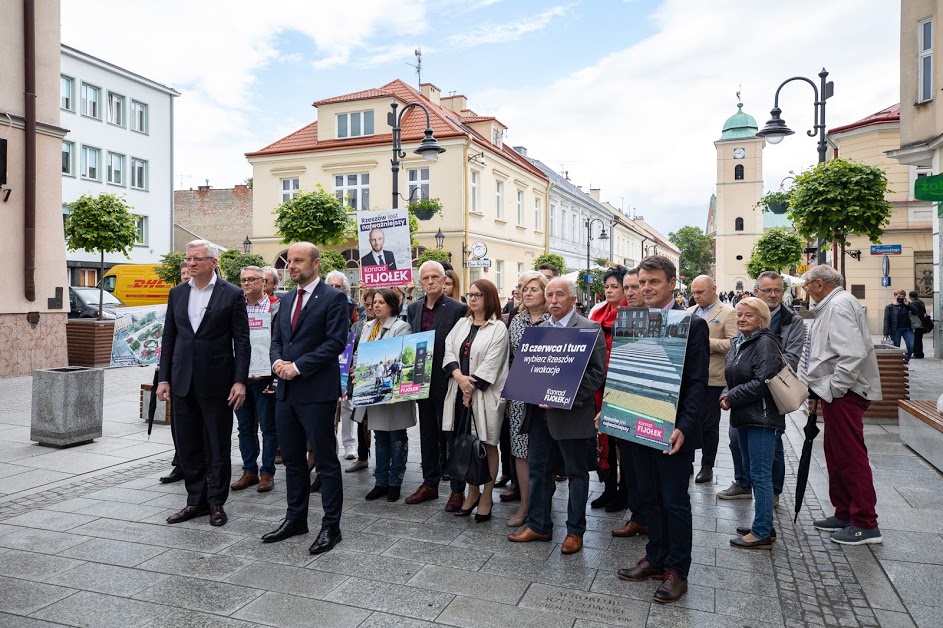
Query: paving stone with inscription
x=593 y=606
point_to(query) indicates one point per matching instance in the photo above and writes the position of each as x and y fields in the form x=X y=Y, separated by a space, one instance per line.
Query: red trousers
x=850 y=485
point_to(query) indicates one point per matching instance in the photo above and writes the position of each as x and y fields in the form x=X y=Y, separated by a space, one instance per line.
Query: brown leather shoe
x=513 y=495
x=527 y=535
x=630 y=529
x=455 y=502
x=423 y=494
x=642 y=571
x=247 y=480
x=217 y=515
x=571 y=544
x=266 y=483
x=671 y=589
x=189 y=512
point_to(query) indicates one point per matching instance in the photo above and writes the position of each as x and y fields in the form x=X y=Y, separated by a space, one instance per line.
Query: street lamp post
x=428 y=148
x=589 y=239
x=776 y=129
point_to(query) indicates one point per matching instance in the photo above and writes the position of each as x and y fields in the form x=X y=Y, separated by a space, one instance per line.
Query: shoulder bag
x=469 y=460
x=788 y=391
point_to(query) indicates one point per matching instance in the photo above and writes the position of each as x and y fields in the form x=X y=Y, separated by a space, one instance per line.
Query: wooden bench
x=921 y=429
x=895 y=385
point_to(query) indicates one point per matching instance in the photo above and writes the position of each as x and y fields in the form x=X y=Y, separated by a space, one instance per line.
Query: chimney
x=520 y=150
x=431 y=92
x=594 y=193
x=457 y=103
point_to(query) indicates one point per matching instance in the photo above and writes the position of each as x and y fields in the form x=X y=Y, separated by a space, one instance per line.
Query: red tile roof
x=884 y=116
x=364 y=95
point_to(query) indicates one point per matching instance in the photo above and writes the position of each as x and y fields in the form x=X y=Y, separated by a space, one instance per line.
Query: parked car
x=83 y=303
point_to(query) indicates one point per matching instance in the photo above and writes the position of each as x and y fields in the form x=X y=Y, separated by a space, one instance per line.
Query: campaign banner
x=391 y=370
x=345 y=359
x=260 y=341
x=383 y=237
x=549 y=365
x=138 y=334
x=640 y=401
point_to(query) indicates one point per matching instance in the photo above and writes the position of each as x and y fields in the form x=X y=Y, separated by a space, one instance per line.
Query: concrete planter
x=89 y=341
x=68 y=406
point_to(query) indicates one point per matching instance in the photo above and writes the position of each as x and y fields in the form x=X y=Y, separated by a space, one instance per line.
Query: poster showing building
x=383 y=238
x=644 y=381
x=391 y=370
x=138 y=334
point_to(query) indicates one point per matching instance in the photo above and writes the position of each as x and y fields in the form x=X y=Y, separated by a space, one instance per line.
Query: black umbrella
x=152 y=405
x=805 y=460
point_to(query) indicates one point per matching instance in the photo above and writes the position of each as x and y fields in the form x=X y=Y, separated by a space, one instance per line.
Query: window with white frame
x=575 y=222
x=290 y=188
x=91 y=101
x=499 y=199
x=115 y=168
x=564 y=225
x=553 y=220
x=537 y=222
x=91 y=163
x=138 y=173
x=925 y=60
x=355 y=124
x=140 y=224
x=418 y=180
x=475 y=177
x=67 y=95
x=115 y=109
x=499 y=275
x=520 y=207
x=353 y=190
x=139 y=121
x=68 y=158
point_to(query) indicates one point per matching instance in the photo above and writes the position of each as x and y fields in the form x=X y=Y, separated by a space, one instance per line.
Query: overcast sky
x=625 y=96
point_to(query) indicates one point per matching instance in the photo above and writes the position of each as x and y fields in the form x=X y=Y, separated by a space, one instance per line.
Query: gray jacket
x=841 y=354
x=791 y=330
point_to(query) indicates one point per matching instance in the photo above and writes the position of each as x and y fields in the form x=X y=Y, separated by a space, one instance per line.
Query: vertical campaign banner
x=640 y=401
x=345 y=359
x=138 y=334
x=549 y=365
x=383 y=238
x=260 y=341
x=394 y=369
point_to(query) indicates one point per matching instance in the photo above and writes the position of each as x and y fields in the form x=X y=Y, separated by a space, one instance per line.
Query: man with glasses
x=204 y=364
x=256 y=411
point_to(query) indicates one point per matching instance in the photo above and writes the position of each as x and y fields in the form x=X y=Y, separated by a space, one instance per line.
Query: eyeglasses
x=250 y=279
x=473 y=295
x=196 y=259
x=771 y=291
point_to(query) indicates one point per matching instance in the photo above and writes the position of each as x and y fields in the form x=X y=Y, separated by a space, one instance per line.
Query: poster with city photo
x=640 y=401
x=138 y=334
x=383 y=238
x=391 y=370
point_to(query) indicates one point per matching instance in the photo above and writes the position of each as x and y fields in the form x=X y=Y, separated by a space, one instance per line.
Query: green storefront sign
x=929 y=188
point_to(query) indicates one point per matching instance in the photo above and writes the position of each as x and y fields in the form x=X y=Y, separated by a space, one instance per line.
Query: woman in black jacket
x=755 y=356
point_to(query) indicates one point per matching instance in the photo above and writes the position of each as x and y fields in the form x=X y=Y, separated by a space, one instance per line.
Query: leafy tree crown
x=317 y=217
x=102 y=223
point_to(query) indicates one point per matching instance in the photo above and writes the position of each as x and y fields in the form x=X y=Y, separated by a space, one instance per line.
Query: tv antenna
x=418 y=65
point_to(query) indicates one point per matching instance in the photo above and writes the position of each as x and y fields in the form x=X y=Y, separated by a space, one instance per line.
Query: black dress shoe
x=218 y=515
x=189 y=512
x=393 y=493
x=706 y=474
x=601 y=501
x=288 y=528
x=316 y=484
x=376 y=493
x=327 y=539
x=502 y=481
x=175 y=476
x=618 y=503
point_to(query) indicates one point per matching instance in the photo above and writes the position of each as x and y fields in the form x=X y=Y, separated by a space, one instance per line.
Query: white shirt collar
x=311 y=285
x=563 y=322
x=208 y=286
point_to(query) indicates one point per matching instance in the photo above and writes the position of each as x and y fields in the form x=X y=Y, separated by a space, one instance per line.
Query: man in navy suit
x=204 y=364
x=377 y=256
x=663 y=476
x=308 y=335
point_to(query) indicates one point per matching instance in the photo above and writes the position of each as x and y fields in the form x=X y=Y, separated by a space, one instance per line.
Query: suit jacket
x=370 y=260
x=318 y=339
x=693 y=384
x=722 y=325
x=447 y=314
x=213 y=357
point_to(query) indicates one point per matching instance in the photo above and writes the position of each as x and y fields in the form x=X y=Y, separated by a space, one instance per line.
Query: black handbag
x=469 y=460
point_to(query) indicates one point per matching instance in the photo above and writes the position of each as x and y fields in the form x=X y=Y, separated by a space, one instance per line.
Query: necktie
x=299 y=301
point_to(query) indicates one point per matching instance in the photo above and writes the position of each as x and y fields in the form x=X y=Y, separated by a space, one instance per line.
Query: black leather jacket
x=748 y=367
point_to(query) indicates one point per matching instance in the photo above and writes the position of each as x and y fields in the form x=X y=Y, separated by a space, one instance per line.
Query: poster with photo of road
x=391 y=370
x=644 y=381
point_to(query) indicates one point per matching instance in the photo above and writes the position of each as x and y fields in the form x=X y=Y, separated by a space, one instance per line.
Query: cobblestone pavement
x=83 y=542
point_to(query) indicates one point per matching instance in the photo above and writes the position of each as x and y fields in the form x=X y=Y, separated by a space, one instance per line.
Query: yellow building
x=490 y=193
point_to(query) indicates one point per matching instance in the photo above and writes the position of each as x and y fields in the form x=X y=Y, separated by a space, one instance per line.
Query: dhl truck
x=136 y=284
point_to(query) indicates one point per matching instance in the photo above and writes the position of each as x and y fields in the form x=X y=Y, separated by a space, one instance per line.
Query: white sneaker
x=349 y=454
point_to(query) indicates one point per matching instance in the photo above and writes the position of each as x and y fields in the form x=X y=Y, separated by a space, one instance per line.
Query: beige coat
x=489 y=361
x=391 y=416
x=722 y=326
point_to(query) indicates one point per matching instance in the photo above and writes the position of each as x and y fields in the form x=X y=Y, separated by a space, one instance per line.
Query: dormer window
x=355 y=124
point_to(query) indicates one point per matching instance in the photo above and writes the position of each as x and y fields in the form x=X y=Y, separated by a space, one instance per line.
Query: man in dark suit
x=308 y=335
x=434 y=311
x=663 y=476
x=377 y=256
x=572 y=431
x=204 y=364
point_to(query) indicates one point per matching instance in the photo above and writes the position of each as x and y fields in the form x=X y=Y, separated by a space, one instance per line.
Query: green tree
x=102 y=224
x=778 y=249
x=696 y=254
x=839 y=198
x=232 y=261
x=331 y=260
x=597 y=288
x=317 y=217
x=169 y=268
x=551 y=258
x=409 y=355
x=432 y=254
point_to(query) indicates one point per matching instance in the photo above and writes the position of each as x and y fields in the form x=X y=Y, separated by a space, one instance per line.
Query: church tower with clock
x=734 y=222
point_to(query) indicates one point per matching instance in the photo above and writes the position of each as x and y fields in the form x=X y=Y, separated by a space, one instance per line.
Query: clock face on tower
x=739 y=153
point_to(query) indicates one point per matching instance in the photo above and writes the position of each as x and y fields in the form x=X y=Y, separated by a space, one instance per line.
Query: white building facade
x=120 y=141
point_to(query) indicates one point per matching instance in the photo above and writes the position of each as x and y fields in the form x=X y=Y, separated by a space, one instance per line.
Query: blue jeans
x=392 y=449
x=741 y=474
x=908 y=336
x=542 y=483
x=257 y=412
x=758 y=445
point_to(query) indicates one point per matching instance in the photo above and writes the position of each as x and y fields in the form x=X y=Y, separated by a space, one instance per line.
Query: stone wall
x=222 y=216
x=24 y=348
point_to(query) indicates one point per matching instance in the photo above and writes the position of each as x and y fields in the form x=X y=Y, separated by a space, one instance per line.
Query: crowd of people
x=732 y=351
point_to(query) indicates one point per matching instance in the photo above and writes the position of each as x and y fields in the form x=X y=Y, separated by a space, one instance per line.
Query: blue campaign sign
x=886 y=249
x=549 y=365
